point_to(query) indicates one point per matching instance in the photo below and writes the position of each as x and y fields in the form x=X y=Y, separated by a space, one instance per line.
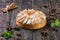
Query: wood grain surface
x=8 y=19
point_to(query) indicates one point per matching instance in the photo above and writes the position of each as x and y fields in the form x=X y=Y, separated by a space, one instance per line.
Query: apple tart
x=31 y=19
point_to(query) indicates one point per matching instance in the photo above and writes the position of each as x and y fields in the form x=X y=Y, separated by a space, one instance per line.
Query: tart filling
x=31 y=17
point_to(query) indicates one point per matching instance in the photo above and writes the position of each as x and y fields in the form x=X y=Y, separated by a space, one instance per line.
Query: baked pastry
x=31 y=19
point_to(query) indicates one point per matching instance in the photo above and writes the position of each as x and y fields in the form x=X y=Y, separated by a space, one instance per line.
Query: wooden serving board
x=47 y=6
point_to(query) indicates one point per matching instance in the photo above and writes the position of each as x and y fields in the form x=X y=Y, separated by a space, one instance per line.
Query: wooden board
x=8 y=19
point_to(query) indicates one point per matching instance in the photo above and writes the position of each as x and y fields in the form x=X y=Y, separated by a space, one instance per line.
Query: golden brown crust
x=36 y=26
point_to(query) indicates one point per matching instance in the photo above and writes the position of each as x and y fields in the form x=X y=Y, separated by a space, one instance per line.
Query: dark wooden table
x=47 y=6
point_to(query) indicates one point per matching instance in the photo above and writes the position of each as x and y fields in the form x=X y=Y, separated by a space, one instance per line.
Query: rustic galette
x=31 y=19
